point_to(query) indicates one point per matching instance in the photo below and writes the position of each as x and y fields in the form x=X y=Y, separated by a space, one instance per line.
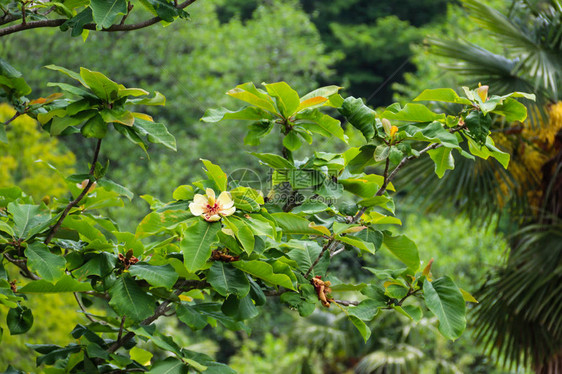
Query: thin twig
x=22 y=264
x=161 y=310
x=83 y=308
x=75 y=202
x=90 y=26
x=345 y=302
x=120 y=334
x=13 y=118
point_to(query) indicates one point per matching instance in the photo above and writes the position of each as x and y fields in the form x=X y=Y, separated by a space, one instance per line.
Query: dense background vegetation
x=374 y=50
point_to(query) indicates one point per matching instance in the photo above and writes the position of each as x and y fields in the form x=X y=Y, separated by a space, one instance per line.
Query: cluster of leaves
x=210 y=271
x=82 y=16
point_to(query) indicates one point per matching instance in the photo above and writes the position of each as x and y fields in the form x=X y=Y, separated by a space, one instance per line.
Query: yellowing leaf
x=313 y=101
x=185 y=298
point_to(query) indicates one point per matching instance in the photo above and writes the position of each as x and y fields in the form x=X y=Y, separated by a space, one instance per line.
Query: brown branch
x=13 y=118
x=161 y=310
x=75 y=202
x=22 y=264
x=90 y=26
x=83 y=309
x=345 y=302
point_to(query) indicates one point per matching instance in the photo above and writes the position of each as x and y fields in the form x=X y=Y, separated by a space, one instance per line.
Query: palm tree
x=519 y=318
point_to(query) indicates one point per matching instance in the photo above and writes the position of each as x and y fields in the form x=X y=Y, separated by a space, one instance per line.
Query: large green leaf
x=273 y=160
x=263 y=270
x=65 y=284
x=215 y=173
x=412 y=113
x=445 y=300
x=404 y=249
x=48 y=265
x=286 y=98
x=447 y=95
x=358 y=243
x=247 y=113
x=155 y=132
x=105 y=12
x=170 y=365
x=487 y=150
x=293 y=224
x=19 y=320
x=28 y=219
x=242 y=232
x=443 y=160
x=128 y=299
x=320 y=123
x=433 y=132
x=227 y=280
x=102 y=86
x=360 y=116
x=196 y=243
x=249 y=93
x=157 y=276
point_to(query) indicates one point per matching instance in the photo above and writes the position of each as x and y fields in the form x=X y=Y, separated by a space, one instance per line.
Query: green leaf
x=157 y=276
x=361 y=327
x=443 y=160
x=291 y=141
x=196 y=244
x=286 y=98
x=215 y=173
x=227 y=280
x=487 y=150
x=28 y=219
x=164 y=9
x=158 y=99
x=59 y=124
x=447 y=95
x=65 y=284
x=320 y=123
x=110 y=185
x=274 y=161
x=155 y=132
x=356 y=242
x=249 y=93
x=190 y=317
x=246 y=113
x=128 y=299
x=305 y=253
x=242 y=232
x=13 y=79
x=19 y=320
x=381 y=152
x=478 y=125
x=95 y=127
x=170 y=365
x=39 y=259
x=445 y=300
x=404 y=249
x=412 y=113
x=293 y=224
x=101 y=86
x=78 y=22
x=263 y=270
x=512 y=110
x=360 y=116
x=433 y=132
x=105 y=12
x=67 y=72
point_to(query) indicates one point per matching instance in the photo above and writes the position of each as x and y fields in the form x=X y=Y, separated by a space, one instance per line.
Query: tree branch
x=161 y=310
x=22 y=264
x=75 y=202
x=90 y=26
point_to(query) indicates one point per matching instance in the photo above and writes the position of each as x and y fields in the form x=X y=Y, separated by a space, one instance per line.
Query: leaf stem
x=75 y=202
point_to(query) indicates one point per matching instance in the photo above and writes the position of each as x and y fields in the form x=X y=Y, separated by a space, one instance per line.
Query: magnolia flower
x=212 y=209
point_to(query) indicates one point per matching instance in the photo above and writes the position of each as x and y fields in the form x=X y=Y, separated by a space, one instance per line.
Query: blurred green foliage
x=25 y=159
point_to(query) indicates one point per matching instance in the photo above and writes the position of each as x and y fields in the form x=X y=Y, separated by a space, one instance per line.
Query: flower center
x=213 y=209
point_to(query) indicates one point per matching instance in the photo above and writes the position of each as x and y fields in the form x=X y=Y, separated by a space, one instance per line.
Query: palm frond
x=520 y=312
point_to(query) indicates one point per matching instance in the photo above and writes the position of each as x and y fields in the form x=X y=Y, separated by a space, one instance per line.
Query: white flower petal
x=213 y=218
x=227 y=212
x=200 y=199
x=196 y=209
x=224 y=200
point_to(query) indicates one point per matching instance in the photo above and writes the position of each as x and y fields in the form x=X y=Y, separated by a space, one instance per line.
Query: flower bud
x=482 y=91
x=387 y=126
